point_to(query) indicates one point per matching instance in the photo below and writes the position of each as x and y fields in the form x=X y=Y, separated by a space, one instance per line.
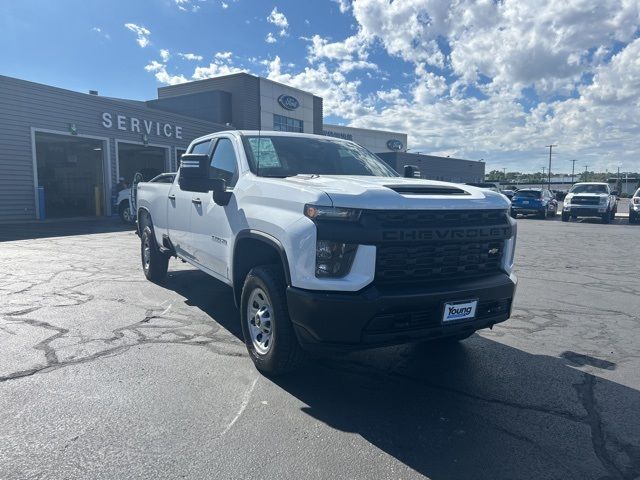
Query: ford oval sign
x=394 y=145
x=288 y=102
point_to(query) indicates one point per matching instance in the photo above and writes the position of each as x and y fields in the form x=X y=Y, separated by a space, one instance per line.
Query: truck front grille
x=426 y=245
x=437 y=261
x=585 y=201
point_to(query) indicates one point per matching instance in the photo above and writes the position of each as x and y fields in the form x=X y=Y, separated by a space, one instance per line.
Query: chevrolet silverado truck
x=326 y=247
x=590 y=199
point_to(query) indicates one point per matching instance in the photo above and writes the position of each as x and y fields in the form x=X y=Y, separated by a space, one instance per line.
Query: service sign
x=140 y=125
x=394 y=145
x=288 y=102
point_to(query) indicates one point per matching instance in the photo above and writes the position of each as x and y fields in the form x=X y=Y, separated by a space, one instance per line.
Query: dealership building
x=63 y=153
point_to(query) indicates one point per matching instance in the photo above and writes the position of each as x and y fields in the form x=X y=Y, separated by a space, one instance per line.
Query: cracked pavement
x=106 y=375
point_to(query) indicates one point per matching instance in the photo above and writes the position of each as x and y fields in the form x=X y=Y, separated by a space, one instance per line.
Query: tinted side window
x=202 y=147
x=223 y=163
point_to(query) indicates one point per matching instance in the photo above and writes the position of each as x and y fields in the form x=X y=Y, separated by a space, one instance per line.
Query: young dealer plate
x=456 y=311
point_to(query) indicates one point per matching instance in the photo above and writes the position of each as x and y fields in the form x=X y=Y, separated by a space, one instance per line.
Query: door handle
x=196 y=201
x=172 y=197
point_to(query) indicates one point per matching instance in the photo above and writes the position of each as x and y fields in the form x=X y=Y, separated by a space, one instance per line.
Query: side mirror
x=411 y=171
x=194 y=173
x=220 y=194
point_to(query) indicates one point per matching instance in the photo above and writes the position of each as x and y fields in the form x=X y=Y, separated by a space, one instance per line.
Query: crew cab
x=534 y=201
x=325 y=247
x=590 y=199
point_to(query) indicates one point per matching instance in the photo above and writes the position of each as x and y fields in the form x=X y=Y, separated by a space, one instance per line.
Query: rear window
x=527 y=194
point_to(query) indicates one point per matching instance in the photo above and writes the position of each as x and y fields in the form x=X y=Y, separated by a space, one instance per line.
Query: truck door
x=179 y=208
x=210 y=224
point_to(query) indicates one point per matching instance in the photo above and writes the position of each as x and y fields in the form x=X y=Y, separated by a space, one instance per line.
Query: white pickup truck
x=590 y=199
x=326 y=247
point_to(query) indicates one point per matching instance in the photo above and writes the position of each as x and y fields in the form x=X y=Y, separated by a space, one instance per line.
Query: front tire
x=154 y=262
x=267 y=329
x=632 y=218
x=606 y=217
x=565 y=217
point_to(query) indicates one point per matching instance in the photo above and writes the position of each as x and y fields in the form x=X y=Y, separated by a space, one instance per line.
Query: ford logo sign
x=288 y=102
x=394 y=145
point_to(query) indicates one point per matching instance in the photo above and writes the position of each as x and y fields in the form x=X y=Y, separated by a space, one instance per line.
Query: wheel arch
x=143 y=218
x=252 y=248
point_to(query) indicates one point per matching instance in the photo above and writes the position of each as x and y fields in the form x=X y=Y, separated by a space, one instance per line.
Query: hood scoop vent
x=427 y=190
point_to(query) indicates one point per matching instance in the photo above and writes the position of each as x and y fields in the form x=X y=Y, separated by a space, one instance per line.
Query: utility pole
x=542 y=179
x=550 y=149
x=573 y=169
x=586 y=173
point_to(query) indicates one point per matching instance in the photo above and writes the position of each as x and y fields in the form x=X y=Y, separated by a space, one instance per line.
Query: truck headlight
x=316 y=212
x=333 y=259
x=567 y=202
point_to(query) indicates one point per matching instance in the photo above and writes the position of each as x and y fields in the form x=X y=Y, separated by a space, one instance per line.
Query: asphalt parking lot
x=106 y=375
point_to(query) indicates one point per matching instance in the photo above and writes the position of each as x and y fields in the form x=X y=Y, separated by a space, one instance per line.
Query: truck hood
x=388 y=193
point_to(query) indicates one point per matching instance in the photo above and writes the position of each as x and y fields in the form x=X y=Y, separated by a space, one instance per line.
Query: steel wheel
x=146 y=252
x=259 y=320
x=126 y=214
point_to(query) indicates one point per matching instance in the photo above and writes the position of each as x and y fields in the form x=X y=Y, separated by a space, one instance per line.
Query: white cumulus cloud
x=279 y=20
x=142 y=34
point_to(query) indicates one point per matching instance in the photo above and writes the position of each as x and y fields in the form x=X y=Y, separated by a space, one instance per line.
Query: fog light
x=333 y=259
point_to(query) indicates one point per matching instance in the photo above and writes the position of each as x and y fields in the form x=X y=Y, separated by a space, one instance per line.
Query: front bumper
x=374 y=317
x=585 y=210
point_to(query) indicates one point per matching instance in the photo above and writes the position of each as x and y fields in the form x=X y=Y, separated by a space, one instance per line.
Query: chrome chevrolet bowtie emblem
x=493 y=251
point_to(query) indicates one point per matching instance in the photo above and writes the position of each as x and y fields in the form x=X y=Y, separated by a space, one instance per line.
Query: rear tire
x=154 y=262
x=267 y=329
x=543 y=214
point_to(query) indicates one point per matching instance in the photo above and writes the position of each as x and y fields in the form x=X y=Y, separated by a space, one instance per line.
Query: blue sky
x=492 y=80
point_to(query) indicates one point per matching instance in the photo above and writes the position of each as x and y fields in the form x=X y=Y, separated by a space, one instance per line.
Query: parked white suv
x=634 y=207
x=590 y=199
x=326 y=247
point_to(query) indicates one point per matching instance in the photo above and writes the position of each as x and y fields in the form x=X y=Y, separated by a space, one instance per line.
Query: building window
x=286 y=124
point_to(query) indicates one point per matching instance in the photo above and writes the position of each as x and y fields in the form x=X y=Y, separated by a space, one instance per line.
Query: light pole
x=586 y=173
x=573 y=169
x=542 y=178
x=550 y=149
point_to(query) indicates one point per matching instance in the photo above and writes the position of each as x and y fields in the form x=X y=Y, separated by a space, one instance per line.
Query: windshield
x=283 y=156
x=527 y=194
x=589 y=189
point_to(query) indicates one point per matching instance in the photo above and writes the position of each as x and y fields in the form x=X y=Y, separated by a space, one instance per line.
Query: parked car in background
x=559 y=194
x=508 y=193
x=123 y=203
x=634 y=207
x=590 y=199
x=534 y=201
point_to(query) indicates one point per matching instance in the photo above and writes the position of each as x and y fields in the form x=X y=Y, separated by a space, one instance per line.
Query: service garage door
x=71 y=171
x=148 y=160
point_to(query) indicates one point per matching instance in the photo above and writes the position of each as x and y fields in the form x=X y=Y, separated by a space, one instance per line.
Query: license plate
x=525 y=202
x=459 y=311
